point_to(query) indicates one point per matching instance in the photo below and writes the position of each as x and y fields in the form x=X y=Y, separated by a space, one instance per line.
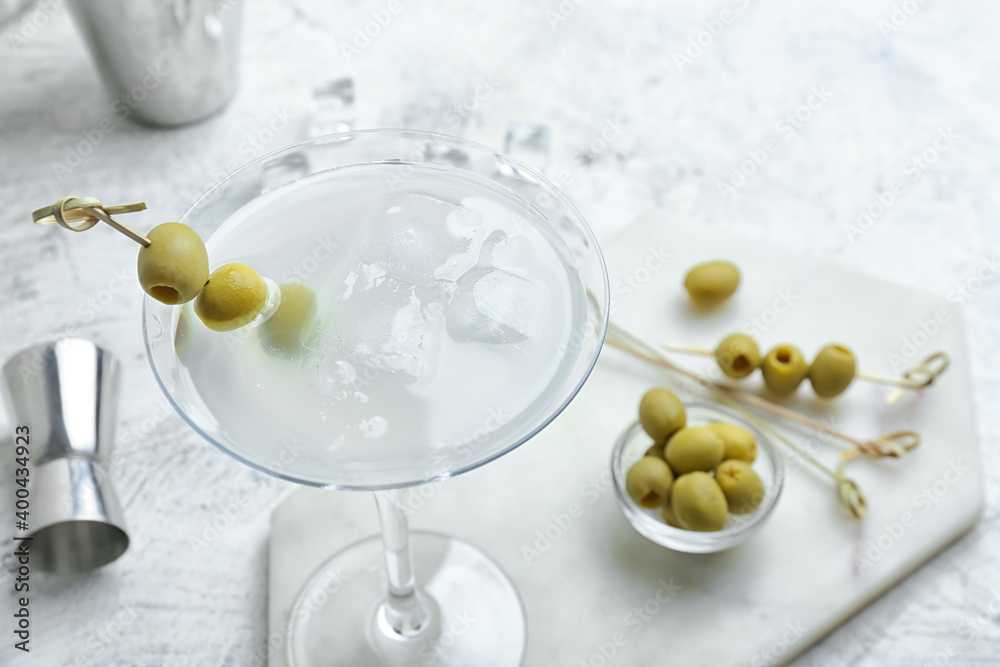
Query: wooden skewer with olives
x=784 y=367
x=173 y=269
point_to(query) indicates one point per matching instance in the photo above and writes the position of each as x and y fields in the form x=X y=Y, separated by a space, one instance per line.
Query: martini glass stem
x=405 y=611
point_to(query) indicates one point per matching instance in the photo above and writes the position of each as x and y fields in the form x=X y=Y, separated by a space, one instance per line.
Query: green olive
x=661 y=414
x=739 y=442
x=694 y=448
x=711 y=283
x=648 y=482
x=283 y=334
x=667 y=512
x=698 y=503
x=832 y=371
x=182 y=334
x=232 y=297
x=738 y=355
x=174 y=267
x=783 y=369
x=741 y=485
x=655 y=450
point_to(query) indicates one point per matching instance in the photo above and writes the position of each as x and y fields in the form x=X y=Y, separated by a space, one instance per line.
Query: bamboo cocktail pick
x=919 y=377
x=88 y=211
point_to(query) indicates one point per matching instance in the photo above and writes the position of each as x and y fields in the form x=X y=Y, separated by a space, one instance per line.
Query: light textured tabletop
x=901 y=99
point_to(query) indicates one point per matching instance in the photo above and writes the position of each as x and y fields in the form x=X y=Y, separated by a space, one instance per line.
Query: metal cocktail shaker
x=63 y=396
x=168 y=62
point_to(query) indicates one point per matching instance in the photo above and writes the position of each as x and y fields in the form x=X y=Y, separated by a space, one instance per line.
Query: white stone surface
x=552 y=522
x=607 y=63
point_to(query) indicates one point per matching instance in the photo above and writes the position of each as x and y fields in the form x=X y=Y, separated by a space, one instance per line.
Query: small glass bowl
x=632 y=445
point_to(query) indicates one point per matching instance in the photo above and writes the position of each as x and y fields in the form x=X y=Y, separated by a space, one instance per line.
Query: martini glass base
x=477 y=617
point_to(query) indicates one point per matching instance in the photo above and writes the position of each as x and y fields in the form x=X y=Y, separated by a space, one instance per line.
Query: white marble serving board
x=763 y=603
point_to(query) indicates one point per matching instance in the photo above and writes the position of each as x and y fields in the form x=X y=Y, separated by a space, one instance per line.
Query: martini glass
x=462 y=303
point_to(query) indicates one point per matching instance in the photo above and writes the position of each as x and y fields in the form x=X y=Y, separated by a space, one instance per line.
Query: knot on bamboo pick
x=893 y=445
x=850 y=495
x=87 y=212
x=928 y=370
x=922 y=375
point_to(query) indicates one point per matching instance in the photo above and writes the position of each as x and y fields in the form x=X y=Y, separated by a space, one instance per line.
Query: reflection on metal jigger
x=167 y=62
x=66 y=393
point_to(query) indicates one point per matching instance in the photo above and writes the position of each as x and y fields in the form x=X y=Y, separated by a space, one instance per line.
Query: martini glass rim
x=345 y=136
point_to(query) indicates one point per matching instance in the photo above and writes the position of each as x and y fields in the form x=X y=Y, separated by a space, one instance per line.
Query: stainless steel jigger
x=66 y=393
x=167 y=62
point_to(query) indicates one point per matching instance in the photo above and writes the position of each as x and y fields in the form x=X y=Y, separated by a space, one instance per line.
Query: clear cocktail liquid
x=447 y=312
